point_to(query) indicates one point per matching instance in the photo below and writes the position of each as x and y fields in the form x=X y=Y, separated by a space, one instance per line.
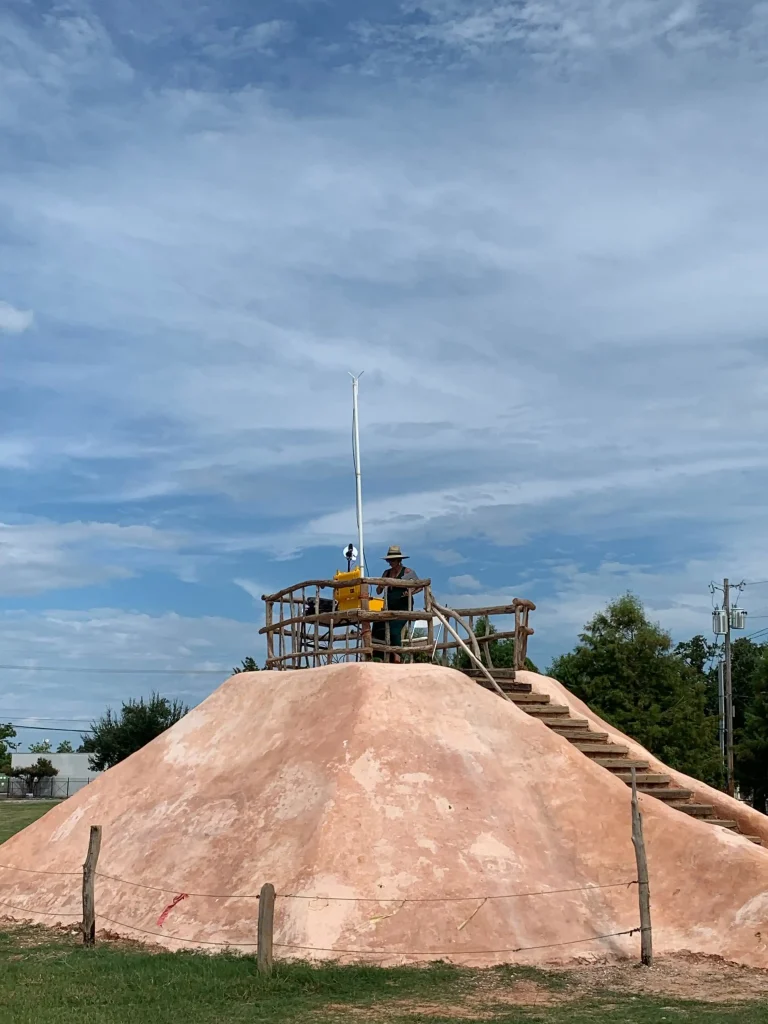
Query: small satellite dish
x=350 y=553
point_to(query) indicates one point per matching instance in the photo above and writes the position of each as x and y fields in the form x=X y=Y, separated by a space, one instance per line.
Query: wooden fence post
x=646 y=934
x=265 y=929
x=89 y=876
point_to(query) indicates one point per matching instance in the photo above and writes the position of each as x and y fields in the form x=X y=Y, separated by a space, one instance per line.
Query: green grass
x=17 y=814
x=49 y=978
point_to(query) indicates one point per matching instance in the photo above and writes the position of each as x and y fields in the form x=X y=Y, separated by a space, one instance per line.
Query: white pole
x=358 y=476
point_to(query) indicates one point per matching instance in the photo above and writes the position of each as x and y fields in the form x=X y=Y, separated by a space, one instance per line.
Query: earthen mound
x=400 y=812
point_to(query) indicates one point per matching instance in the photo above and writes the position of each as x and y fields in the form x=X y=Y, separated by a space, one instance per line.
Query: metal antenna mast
x=358 y=476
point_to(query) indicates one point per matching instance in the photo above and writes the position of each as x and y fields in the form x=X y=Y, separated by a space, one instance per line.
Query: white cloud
x=560 y=315
x=72 y=658
x=465 y=582
x=233 y=43
x=40 y=556
x=253 y=589
x=447 y=556
x=13 y=320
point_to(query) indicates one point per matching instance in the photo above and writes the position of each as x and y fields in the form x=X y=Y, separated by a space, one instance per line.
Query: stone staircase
x=597 y=746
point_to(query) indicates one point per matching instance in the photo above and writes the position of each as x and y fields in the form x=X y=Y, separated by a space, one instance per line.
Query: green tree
x=626 y=670
x=7 y=733
x=247 y=665
x=114 y=737
x=41 y=769
x=65 y=747
x=751 y=753
x=747 y=673
x=44 y=747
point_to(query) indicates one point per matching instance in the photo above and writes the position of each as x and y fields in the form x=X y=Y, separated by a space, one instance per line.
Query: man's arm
x=380 y=587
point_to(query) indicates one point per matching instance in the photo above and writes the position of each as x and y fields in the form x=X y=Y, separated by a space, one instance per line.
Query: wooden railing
x=305 y=627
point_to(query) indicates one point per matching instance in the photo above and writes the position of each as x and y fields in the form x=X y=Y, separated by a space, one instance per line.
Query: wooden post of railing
x=430 y=622
x=265 y=929
x=280 y=635
x=638 y=841
x=487 y=633
x=292 y=630
x=316 y=640
x=88 y=926
x=270 y=634
x=519 y=639
x=365 y=627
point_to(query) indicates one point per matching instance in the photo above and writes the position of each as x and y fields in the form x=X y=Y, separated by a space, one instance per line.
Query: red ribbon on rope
x=169 y=908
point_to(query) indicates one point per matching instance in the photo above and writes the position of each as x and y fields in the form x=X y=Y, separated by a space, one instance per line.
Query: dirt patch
x=709 y=979
x=481 y=1003
x=681 y=976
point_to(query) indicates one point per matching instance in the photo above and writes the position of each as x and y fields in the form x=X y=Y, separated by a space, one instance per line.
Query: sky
x=539 y=228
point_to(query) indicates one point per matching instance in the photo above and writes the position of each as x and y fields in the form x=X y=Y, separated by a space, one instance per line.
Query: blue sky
x=539 y=227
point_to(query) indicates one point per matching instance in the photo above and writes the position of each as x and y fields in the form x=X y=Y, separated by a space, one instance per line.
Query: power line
x=46 y=728
x=121 y=671
x=41 y=718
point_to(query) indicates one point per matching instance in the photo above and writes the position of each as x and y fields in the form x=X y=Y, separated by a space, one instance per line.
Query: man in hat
x=396 y=599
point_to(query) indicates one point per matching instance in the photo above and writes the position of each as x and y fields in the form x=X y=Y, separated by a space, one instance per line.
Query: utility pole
x=728 y=690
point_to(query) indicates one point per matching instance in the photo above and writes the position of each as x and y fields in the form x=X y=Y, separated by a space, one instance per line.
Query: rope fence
x=90 y=875
x=267 y=896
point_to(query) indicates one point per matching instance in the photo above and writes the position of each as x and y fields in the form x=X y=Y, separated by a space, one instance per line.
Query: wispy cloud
x=465 y=582
x=41 y=556
x=539 y=226
x=176 y=655
x=14 y=321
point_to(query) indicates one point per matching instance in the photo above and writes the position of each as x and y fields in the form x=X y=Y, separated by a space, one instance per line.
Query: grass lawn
x=49 y=978
x=17 y=814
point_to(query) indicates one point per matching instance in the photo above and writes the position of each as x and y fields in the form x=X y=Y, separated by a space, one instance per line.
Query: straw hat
x=394 y=553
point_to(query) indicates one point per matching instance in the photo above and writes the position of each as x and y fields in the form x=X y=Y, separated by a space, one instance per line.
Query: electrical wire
x=116 y=671
x=47 y=728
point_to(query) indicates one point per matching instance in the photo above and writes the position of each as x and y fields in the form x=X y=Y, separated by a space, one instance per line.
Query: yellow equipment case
x=348 y=598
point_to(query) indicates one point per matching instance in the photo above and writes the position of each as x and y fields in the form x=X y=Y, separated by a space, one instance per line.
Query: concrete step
x=669 y=794
x=698 y=810
x=621 y=763
x=580 y=735
x=645 y=780
x=544 y=710
x=497 y=673
x=505 y=685
x=568 y=723
x=599 y=748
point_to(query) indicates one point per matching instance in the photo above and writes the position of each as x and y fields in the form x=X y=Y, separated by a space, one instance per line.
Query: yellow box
x=348 y=598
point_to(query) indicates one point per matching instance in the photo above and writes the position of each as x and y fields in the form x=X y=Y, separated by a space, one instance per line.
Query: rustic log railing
x=305 y=627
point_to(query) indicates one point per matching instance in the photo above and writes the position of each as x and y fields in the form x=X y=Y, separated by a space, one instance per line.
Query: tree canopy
x=246 y=665
x=114 y=737
x=625 y=668
x=43 y=747
x=7 y=734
